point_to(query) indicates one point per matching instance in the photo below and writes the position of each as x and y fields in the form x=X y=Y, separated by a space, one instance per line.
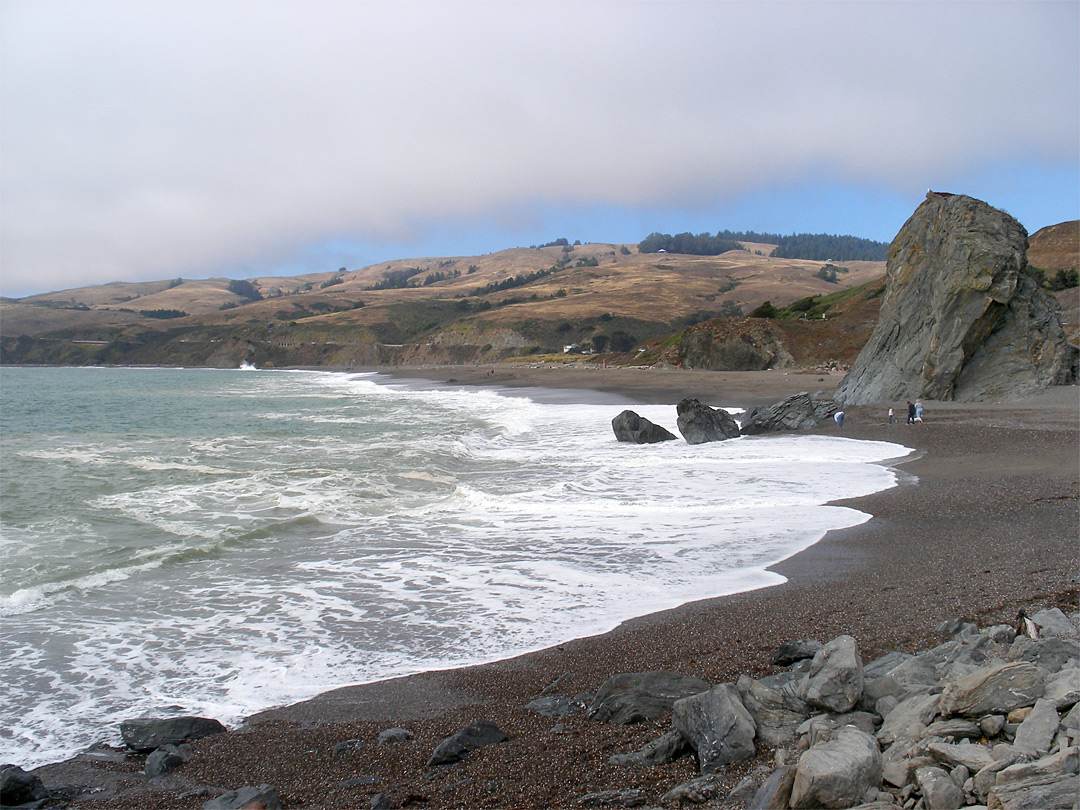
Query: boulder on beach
x=717 y=725
x=698 y=423
x=461 y=743
x=630 y=427
x=630 y=697
x=961 y=318
x=144 y=734
x=797 y=412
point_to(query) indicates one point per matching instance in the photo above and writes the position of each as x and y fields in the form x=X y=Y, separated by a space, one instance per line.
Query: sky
x=240 y=138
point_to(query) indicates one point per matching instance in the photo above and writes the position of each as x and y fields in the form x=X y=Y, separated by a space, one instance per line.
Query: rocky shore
x=989 y=528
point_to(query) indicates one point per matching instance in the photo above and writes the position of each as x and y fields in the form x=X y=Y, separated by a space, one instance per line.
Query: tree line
x=812 y=246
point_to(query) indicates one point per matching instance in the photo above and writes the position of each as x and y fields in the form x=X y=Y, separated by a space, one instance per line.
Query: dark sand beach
x=985 y=521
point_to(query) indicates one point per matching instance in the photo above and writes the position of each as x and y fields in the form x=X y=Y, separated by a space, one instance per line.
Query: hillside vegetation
x=606 y=299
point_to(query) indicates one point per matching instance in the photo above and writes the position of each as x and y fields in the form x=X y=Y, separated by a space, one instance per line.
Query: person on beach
x=910 y=412
x=839 y=417
x=918 y=410
x=892 y=418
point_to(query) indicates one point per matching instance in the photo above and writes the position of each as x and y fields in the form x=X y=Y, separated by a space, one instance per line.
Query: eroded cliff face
x=960 y=318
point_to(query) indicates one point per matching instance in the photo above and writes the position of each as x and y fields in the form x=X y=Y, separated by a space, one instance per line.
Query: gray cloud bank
x=150 y=140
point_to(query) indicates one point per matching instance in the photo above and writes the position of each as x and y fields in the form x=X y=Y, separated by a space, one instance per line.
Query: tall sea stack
x=961 y=318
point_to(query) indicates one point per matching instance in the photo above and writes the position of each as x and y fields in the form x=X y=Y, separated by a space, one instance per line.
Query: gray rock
x=917 y=674
x=630 y=427
x=1050 y=783
x=916 y=709
x=953 y=628
x=835 y=680
x=899 y=762
x=394 y=735
x=698 y=790
x=699 y=423
x=1053 y=622
x=1064 y=687
x=634 y=696
x=955 y=727
x=938 y=790
x=837 y=773
x=663 y=749
x=1052 y=654
x=165 y=759
x=972 y=757
x=776 y=713
x=717 y=725
x=796 y=412
x=380 y=801
x=776 y=792
x=884 y=665
x=1000 y=633
x=994 y=690
x=791 y=651
x=20 y=787
x=991 y=724
x=144 y=734
x=983 y=781
x=613 y=798
x=461 y=743
x=560 y=705
x=242 y=797
x=745 y=790
x=1036 y=733
x=960 y=319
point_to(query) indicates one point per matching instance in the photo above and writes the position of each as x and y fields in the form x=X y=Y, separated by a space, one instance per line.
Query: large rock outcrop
x=961 y=319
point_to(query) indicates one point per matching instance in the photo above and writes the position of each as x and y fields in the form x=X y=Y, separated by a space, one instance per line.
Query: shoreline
x=982 y=470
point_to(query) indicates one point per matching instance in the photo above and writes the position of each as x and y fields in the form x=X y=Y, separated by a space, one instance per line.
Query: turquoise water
x=219 y=542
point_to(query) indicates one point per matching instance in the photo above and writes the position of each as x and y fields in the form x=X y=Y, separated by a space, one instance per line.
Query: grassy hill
x=520 y=302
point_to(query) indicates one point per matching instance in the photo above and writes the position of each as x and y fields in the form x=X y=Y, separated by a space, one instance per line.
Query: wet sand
x=986 y=520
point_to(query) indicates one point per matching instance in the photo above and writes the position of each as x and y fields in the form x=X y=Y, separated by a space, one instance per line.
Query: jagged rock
x=663 y=749
x=698 y=423
x=880 y=667
x=459 y=744
x=955 y=727
x=560 y=705
x=938 y=790
x=835 y=680
x=144 y=734
x=630 y=697
x=165 y=759
x=1054 y=622
x=972 y=757
x=1064 y=687
x=717 y=725
x=264 y=794
x=837 y=773
x=776 y=792
x=791 y=651
x=394 y=735
x=613 y=798
x=629 y=427
x=983 y=781
x=899 y=762
x=916 y=709
x=960 y=319
x=1036 y=733
x=1050 y=783
x=745 y=790
x=797 y=412
x=994 y=690
x=776 y=713
x=1052 y=653
x=20 y=787
x=698 y=790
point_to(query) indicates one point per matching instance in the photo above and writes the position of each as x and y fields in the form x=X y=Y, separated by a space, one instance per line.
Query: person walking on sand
x=892 y=418
x=910 y=412
x=918 y=410
x=839 y=417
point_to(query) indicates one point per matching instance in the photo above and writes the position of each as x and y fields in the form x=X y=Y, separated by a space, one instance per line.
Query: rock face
x=961 y=319
x=698 y=423
x=797 y=412
x=630 y=427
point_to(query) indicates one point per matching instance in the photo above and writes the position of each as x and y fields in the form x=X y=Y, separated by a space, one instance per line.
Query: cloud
x=183 y=138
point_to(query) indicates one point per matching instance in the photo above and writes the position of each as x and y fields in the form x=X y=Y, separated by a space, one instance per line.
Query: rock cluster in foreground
x=989 y=718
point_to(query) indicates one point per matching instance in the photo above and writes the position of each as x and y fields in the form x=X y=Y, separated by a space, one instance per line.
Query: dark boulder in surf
x=630 y=427
x=797 y=412
x=698 y=423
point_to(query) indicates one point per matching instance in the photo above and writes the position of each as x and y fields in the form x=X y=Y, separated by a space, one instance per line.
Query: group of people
x=914 y=412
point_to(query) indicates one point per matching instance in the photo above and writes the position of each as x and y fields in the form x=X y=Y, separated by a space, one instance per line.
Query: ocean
x=219 y=542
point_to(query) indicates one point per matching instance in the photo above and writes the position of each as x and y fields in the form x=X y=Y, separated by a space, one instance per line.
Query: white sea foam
x=285 y=533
